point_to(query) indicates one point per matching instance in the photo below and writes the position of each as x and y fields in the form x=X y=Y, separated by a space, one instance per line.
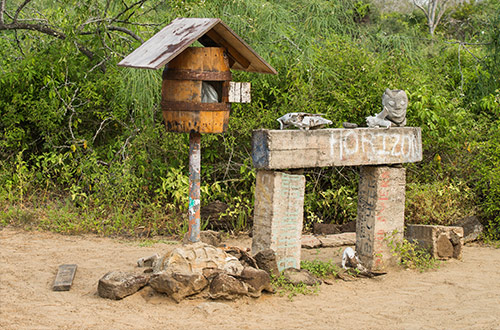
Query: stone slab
x=278 y=216
x=473 y=228
x=381 y=204
x=64 y=277
x=337 y=240
x=310 y=242
x=282 y=149
x=443 y=242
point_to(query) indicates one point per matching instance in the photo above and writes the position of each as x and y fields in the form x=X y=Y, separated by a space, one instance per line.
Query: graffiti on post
x=287 y=227
x=380 y=212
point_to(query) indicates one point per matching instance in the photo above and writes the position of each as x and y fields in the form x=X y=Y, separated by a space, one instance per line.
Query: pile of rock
x=196 y=269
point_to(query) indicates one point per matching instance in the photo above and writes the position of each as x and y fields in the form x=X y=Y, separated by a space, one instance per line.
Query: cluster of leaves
x=411 y=255
x=82 y=141
x=283 y=287
x=320 y=268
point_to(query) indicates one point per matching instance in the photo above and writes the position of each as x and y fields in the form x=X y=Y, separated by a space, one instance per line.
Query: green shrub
x=439 y=203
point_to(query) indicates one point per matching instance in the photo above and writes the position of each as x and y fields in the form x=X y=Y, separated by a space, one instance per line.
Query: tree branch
x=442 y=10
x=2 y=9
x=126 y=31
x=127 y=8
x=46 y=30
x=19 y=9
x=426 y=12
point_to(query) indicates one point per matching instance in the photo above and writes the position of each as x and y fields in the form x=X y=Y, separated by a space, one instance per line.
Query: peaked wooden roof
x=182 y=32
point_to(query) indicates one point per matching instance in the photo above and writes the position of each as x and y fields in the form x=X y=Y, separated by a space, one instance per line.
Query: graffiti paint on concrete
x=278 y=216
x=287 y=230
x=380 y=213
x=374 y=144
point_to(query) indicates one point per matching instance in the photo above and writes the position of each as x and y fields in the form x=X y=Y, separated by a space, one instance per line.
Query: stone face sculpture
x=303 y=120
x=394 y=112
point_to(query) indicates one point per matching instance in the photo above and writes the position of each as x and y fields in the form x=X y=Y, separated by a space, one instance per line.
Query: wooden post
x=194 y=186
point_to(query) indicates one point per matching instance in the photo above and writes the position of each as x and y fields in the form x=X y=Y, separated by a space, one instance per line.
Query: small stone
x=346 y=124
x=243 y=256
x=310 y=242
x=148 y=261
x=117 y=285
x=256 y=280
x=225 y=286
x=178 y=285
x=266 y=260
x=297 y=276
x=338 y=240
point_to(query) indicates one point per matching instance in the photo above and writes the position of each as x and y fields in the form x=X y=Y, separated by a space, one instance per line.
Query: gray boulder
x=178 y=285
x=117 y=285
x=256 y=280
x=147 y=261
x=227 y=287
x=473 y=228
x=266 y=260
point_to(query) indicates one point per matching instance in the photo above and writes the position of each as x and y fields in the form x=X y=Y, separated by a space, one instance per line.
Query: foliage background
x=83 y=147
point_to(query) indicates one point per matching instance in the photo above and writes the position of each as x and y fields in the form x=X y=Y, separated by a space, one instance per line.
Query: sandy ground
x=460 y=295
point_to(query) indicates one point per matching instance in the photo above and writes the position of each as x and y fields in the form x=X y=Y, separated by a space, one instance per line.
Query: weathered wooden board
x=282 y=149
x=174 y=38
x=239 y=92
x=64 y=277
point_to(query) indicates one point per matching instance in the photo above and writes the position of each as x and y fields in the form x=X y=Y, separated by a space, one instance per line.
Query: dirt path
x=461 y=294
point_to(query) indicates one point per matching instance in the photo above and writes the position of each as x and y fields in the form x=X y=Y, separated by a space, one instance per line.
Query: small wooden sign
x=64 y=277
x=239 y=92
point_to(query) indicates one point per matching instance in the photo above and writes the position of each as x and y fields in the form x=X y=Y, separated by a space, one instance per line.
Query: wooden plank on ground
x=64 y=277
x=282 y=149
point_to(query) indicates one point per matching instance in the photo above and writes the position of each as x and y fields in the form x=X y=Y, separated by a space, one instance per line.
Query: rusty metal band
x=194 y=106
x=179 y=74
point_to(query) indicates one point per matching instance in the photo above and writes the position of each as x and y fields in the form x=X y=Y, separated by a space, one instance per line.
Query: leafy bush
x=439 y=203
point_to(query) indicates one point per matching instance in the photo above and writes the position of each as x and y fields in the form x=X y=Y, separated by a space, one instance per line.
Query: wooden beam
x=232 y=52
x=282 y=149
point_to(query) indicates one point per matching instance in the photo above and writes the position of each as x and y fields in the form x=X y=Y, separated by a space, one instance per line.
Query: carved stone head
x=395 y=103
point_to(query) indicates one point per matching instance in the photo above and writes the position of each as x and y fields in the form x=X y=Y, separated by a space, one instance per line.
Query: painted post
x=194 y=186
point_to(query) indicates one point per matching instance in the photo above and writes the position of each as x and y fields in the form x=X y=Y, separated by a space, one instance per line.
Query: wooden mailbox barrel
x=183 y=110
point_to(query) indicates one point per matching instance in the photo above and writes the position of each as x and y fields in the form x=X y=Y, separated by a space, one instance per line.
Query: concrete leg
x=278 y=216
x=381 y=205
